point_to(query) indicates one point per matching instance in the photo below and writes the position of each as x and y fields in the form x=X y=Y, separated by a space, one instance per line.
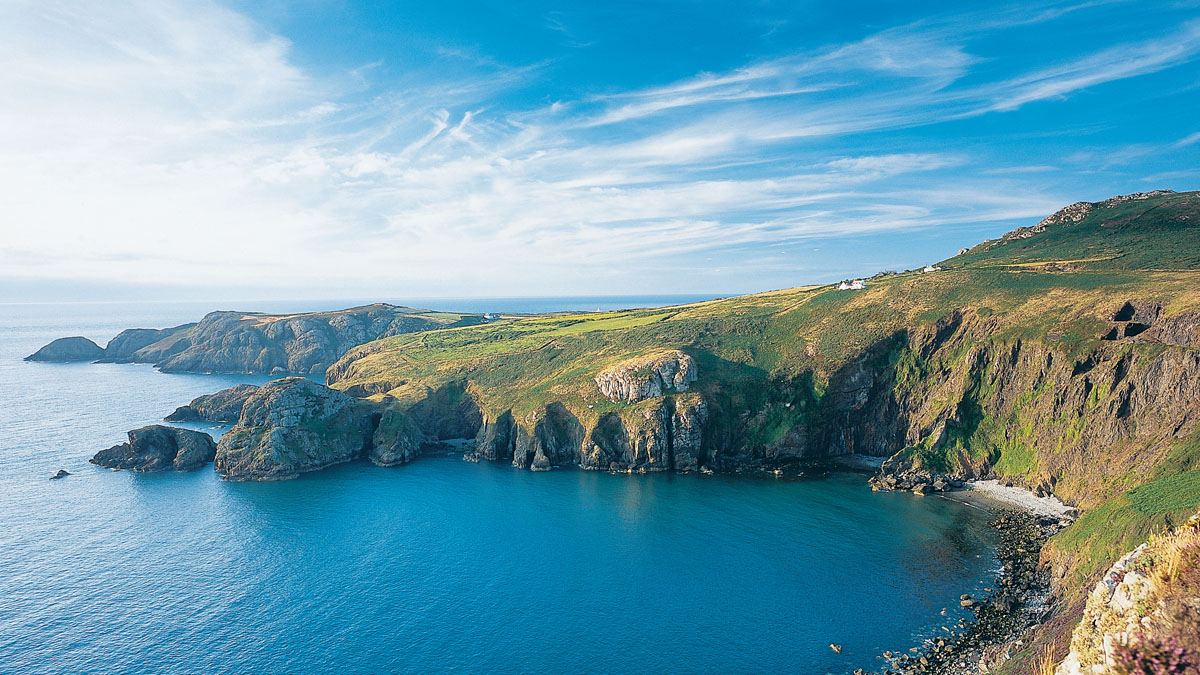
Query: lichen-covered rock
x=397 y=439
x=223 y=406
x=644 y=377
x=158 y=448
x=68 y=349
x=1145 y=606
x=294 y=425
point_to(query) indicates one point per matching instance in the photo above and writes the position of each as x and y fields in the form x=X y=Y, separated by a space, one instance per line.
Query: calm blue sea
x=440 y=566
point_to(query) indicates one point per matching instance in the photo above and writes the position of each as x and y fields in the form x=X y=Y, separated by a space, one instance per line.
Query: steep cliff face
x=648 y=376
x=957 y=397
x=1143 y=616
x=292 y=426
x=662 y=434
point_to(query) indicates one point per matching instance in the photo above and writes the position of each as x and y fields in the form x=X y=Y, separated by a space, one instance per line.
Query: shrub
x=1144 y=655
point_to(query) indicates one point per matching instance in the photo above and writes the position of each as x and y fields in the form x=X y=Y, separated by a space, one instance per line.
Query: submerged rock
x=223 y=406
x=294 y=425
x=68 y=349
x=158 y=448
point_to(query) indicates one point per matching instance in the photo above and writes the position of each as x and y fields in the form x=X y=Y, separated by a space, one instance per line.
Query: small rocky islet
x=1030 y=358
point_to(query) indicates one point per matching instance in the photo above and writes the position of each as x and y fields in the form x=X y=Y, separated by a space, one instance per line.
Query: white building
x=930 y=268
x=856 y=285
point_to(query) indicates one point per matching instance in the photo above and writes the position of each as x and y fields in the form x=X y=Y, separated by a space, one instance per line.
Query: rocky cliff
x=293 y=425
x=1143 y=616
x=223 y=406
x=241 y=342
x=649 y=376
x=158 y=448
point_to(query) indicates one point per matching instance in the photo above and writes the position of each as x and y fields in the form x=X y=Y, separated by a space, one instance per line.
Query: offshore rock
x=158 y=448
x=294 y=425
x=223 y=406
x=68 y=349
x=644 y=377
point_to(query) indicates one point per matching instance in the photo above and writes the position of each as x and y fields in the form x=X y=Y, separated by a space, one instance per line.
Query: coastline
x=994 y=492
x=1021 y=599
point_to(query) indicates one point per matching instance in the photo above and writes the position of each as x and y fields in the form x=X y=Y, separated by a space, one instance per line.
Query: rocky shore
x=1016 y=601
x=1019 y=597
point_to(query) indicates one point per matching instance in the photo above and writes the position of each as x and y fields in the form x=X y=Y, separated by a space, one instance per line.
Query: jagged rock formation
x=646 y=377
x=292 y=426
x=241 y=342
x=1076 y=212
x=1144 y=613
x=68 y=349
x=952 y=392
x=223 y=406
x=158 y=448
x=665 y=434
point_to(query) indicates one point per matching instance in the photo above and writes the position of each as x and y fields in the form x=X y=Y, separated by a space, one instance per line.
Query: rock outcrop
x=242 y=342
x=158 y=448
x=68 y=349
x=1143 y=615
x=665 y=434
x=223 y=406
x=650 y=376
x=294 y=425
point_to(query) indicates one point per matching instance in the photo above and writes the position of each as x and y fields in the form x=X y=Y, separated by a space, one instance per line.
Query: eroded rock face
x=68 y=349
x=657 y=435
x=158 y=448
x=292 y=426
x=223 y=406
x=646 y=377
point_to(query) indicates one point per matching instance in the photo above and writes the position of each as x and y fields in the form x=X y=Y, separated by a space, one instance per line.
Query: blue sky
x=318 y=149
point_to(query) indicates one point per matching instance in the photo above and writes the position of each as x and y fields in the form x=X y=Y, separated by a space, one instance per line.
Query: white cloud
x=172 y=142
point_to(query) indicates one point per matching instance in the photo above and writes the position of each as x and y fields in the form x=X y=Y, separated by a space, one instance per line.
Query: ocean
x=440 y=566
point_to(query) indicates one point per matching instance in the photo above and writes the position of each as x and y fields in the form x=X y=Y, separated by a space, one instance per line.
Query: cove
x=439 y=566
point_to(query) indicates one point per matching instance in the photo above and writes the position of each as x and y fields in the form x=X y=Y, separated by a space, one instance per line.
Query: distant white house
x=930 y=268
x=490 y=317
x=856 y=285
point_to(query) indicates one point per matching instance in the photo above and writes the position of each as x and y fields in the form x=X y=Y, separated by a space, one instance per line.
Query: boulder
x=159 y=448
x=223 y=406
x=294 y=425
x=68 y=349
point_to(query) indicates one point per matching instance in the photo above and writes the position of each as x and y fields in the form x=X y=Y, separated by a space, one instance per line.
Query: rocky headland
x=292 y=426
x=246 y=342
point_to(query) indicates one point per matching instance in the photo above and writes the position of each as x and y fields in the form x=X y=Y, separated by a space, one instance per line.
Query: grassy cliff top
x=1061 y=283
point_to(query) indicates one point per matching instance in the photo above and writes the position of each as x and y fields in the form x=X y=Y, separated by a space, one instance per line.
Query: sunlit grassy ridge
x=766 y=361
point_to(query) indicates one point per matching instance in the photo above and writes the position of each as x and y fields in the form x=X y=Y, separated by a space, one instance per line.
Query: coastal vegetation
x=1062 y=357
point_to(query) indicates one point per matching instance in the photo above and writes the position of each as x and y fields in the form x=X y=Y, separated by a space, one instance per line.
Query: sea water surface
x=441 y=566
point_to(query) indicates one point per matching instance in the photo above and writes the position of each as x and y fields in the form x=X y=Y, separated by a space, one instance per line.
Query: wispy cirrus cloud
x=179 y=141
